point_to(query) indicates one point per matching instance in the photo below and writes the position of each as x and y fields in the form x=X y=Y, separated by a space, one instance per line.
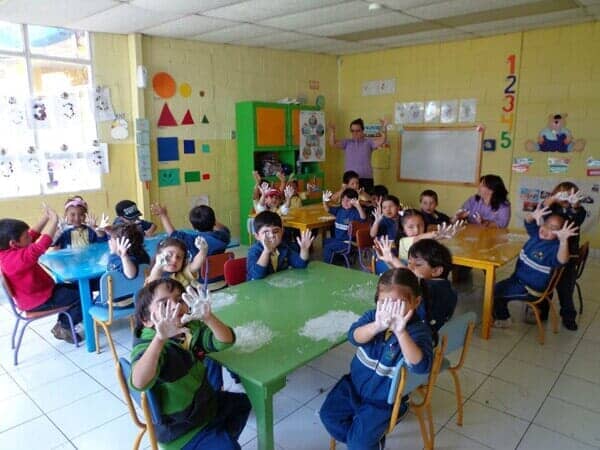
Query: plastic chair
x=458 y=333
x=405 y=382
x=545 y=296
x=584 y=251
x=145 y=400
x=28 y=317
x=364 y=247
x=235 y=271
x=213 y=271
x=115 y=285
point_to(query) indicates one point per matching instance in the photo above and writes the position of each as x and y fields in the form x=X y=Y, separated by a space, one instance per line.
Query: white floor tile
x=527 y=375
x=332 y=364
x=253 y=445
x=483 y=361
x=37 y=433
x=8 y=387
x=104 y=373
x=248 y=434
x=538 y=438
x=447 y=439
x=84 y=359
x=44 y=372
x=64 y=446
x=283 y=406
x=87 y=413
x=64 y=391
x=443 y=406
x=540 y=355
x=16 y=410
x=306 y=383
x=564 y=341
x=585 y=362
x=291 y=432
x=570 y=420
x=577 y=391
x=470 y=380
x=406 y=435
x=118 y=434
x=490 y=427
x=501 y=340
x=33 y=350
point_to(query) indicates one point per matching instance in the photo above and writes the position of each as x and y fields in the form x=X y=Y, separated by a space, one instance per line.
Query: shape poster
x=312 y=136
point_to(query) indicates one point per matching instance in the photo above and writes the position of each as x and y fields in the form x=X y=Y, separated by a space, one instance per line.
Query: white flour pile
x=252 y=336
x=284 y=283
x=219 y=300
x=329 y=326
x=364 y=292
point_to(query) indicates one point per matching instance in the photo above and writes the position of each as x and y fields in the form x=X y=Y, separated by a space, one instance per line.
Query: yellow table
x=485 y=248
x=305 y=218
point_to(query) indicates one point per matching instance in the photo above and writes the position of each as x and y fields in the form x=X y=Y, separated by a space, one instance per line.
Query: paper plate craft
x=163 y=85
x=166 y=118
x=556 y=137
x=119 y=129
x=185 y=90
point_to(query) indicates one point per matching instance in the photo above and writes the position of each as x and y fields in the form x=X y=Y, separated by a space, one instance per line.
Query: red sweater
x=31 y=285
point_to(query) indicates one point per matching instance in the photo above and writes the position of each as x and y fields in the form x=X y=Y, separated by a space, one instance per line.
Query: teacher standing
x=358 y=150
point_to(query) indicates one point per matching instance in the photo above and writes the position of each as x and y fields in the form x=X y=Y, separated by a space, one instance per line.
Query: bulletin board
x=449 y=155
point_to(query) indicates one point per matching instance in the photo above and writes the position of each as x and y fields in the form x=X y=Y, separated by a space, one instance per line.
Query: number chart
x=508 y=109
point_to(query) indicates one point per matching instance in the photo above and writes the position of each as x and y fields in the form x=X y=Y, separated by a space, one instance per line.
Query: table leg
x=488 y=301
x=261 y=398
x=85 y=296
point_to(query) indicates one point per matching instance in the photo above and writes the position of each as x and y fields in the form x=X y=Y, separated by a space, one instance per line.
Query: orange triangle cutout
x=166 y=118
x=187 y=119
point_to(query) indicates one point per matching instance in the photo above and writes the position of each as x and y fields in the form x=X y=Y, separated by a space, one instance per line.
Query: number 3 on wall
x=505 y=140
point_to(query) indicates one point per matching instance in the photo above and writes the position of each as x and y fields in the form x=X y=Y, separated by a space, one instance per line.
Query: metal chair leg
x=580 y=298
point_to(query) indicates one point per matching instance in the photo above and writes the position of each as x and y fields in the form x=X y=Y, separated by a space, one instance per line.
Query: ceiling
x=322 y=26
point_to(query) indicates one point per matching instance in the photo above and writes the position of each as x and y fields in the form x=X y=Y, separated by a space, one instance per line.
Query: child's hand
x=378 y=213
x=281 y=178
x=264 y=188
x=198 y=302
x=268 y=242
x=384 y=124
x=477 y=218
x=383 y=314
x=122 y=244
x=575 y=197
x=561 y=196
x=355 y=202
x=305 y=240
x=383 y=248
x=461 y=214
x=539 y=213
x=331 y=127
x=401 y=314
x=158 y=210
x=569 y=229
x=327 y=196
x=162 y=259
x=104 y=222
x=166 y=320
x=201 y=245
x=90 y=220
x=256 y=177
x=445 y=231
x=288 y=191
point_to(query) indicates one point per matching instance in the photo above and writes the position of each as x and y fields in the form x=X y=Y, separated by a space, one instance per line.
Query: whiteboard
x=440 y=154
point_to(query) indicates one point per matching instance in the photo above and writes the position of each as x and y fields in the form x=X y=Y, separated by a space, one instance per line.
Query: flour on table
x=329 y=326
x=284 y=282
x=363 y=292
x=471 y=238
x=252 y=336
x=219 y=300
x=517 y=237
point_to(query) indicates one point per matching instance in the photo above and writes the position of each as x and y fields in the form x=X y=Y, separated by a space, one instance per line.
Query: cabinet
x=269 y=131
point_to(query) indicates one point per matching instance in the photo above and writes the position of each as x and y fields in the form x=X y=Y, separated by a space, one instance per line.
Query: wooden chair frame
x=546 y=296
x=364 y=247
x=584 y=251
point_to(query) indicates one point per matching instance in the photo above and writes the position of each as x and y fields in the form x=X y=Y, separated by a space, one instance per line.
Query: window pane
x=58 y=42
x=13 y=76
x=51 y=77
x=11 y=37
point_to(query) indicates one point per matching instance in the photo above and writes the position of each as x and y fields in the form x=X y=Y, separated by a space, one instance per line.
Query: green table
x=280 y=305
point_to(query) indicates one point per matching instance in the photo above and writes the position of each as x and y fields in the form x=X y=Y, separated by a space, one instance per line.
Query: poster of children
x=312 y=136
x=532 y=190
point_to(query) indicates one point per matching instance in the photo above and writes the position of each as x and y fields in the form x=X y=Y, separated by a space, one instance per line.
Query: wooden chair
x=349 y=250
x=458 y=333
x=405 y=382
x=28 y=317
x=213 y=275
x=115 y=285
x=546 y=296
x=584 y=251
x=364 y=248
x=235 y=271
x=145 y=400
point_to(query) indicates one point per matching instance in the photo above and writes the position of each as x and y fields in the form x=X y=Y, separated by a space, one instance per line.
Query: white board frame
x=473 y=154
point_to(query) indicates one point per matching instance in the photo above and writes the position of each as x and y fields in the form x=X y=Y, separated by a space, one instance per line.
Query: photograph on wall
x=312 y=136
x=432 y=111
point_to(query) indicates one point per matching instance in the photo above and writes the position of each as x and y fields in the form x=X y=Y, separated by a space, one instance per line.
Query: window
x=47 y=121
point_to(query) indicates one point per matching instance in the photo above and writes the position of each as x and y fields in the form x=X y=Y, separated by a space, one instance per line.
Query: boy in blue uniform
x=128 y=212
x=356 y=410
x=349 y=211
x=546 y=249
x=203 y=220
x=387 y=220
x=269 y=254
x=429 y=201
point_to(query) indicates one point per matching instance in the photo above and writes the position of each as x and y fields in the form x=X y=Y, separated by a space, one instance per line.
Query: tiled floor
x=519 y=395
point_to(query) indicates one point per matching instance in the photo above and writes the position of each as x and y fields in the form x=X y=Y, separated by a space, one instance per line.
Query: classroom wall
x=227 y=74
x=558 y=70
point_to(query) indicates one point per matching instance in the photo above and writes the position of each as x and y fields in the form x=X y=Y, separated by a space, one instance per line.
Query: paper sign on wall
x=379 y=87
x=312 y=136
x=102 y=105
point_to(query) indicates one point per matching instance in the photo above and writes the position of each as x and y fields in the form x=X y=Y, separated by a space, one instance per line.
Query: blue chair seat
x=100 y=312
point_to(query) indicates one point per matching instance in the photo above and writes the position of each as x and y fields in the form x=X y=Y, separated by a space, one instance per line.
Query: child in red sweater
x=32 y=287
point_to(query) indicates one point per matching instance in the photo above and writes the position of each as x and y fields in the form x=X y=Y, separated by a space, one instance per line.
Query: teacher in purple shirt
x=358 y=150
x=489 y=207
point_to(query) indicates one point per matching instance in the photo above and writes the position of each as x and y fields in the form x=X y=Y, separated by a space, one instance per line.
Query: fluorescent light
x=374 y=6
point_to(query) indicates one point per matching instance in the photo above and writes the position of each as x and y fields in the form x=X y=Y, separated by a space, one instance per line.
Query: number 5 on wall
x=505 y=140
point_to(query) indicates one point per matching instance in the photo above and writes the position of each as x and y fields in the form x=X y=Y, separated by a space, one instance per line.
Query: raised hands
x=575 y=197
x=539 y=213
x=166 y=320
x=256 y=177
x=378 y=212
x=305 y=240
x=201 y=245
x=157 y=209
x=288 y=191
x=122 y=244
x=104 y=222
x=327 y=196
x=568 y=229
x=384 y=314
x=198 y=302
x=461 y=214
x=383 y=248
x=448 y=231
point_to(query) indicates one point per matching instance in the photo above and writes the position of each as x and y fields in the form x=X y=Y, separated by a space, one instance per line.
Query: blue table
x=81 y=265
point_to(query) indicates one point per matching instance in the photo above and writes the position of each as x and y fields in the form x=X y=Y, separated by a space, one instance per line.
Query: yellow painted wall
x=558 y=70
x=227 y=74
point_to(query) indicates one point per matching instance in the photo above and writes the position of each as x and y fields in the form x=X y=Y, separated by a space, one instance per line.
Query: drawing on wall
x=102 y=105
x=468 y=110
x=556 y=137
x=119 y=129
x=68 y=112
x=432 y=111
x=312 y=136
x=414 y=112
x=448 y=111
x=39 y=113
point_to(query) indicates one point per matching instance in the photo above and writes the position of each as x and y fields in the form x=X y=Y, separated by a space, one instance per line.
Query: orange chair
x=213 y=276
x=235 y=271
x=545 y=296
x=364 y=247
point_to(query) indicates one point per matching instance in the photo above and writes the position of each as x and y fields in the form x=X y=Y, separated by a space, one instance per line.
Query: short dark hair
x=267 y=219
x=499 y=192
x=429 y=193
x=348 y=175
x=393 y=199
x=350 y=193
x=11 y=230
x=144 y=297
x=136 y=240
x=436 y=254
x=202 y=218
x=379 y=190
x=399 y=276
x=358 y=122
x=411 y=212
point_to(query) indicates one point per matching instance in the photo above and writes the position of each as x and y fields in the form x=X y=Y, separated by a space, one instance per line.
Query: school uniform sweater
x=388 y=227
x=217 y=240
x=186 y=399
x=371 y=369
x=343 y=218
x=575 y=215
x=78 y=237
x=438 y=304
x=286 y=257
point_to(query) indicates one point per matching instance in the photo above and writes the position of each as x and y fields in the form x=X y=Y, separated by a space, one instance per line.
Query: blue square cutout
x=167 y=149
x=189 y=146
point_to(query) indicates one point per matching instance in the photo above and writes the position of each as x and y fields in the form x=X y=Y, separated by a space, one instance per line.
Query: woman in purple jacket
x=489 y=207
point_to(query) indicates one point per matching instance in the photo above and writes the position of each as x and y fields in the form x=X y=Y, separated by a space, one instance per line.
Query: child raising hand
x=171 y=261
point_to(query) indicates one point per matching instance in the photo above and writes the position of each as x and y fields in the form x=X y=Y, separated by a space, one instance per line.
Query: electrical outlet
x=232 y=134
